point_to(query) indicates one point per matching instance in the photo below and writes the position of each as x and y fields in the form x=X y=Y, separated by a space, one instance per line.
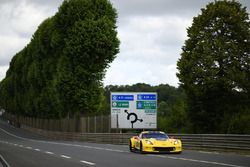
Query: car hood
x=162 y=142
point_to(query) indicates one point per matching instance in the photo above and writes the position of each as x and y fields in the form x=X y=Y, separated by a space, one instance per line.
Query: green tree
x=214 y=68
x=60 y=71
x=91 y=45
x=175 y=120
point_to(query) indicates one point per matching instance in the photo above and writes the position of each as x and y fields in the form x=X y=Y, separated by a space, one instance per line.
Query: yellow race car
x=155 y=142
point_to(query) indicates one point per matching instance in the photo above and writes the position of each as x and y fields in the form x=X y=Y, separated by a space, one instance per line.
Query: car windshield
x=155 y=136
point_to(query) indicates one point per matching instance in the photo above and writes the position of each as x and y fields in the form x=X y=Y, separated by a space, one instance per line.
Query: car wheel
x=131 y=149
x=141 y=148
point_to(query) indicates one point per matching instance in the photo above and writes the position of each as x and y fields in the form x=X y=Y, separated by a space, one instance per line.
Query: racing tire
x=131 y=149
x=141 y=148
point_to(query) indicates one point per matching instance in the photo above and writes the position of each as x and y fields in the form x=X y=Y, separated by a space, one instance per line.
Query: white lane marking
x=48 y=152
x=194 y=160
x=207 y=152
x=152 y=155
x=65 y=156
x=87 y=162
x=13 y=134
x=64 y=144
x=120 y=151
x=202 y=161
x=51 y=153
x=97 y=148
x=100 y=148
x=5 y=163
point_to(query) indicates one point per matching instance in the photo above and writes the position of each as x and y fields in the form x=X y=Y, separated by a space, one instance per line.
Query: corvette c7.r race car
x=155 y=142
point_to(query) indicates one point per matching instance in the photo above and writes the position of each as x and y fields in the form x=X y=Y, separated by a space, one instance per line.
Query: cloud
x=159 y=7
x=19 y=20
x=3 y=70
x=150 y=46
x=190 y=8
x=152 y=38
x=140 y=73
x=10 y=45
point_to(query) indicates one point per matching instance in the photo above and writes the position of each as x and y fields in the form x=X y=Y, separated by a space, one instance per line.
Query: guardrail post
x=95 y=124
x=88 y=124
x=109 y=124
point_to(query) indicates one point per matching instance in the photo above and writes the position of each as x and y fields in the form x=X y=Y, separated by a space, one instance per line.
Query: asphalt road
x=20 y=148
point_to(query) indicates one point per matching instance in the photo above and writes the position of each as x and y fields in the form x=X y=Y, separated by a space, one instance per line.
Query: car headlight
x=176 y=142
x=149 y=142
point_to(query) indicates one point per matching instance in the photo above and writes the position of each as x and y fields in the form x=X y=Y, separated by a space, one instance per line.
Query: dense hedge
x=60 y=71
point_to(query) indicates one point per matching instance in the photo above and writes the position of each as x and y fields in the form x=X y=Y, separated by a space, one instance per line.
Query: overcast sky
x=151 y=32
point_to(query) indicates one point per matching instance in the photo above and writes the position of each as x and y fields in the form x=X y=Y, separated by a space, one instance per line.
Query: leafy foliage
x=60 y=71
x=214 y=68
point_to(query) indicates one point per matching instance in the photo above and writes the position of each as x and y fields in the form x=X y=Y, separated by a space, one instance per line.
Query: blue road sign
x=146 y=96
x=123 y=97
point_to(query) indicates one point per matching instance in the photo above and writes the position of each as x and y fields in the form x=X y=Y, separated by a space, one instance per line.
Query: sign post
x=131 y=110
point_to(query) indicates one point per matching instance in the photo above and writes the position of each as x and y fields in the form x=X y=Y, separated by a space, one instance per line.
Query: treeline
x=172 y=108
x=59 y=73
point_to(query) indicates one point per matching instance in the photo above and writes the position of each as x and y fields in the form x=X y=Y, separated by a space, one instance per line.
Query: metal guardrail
x=208 y=142
x=216 y=142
